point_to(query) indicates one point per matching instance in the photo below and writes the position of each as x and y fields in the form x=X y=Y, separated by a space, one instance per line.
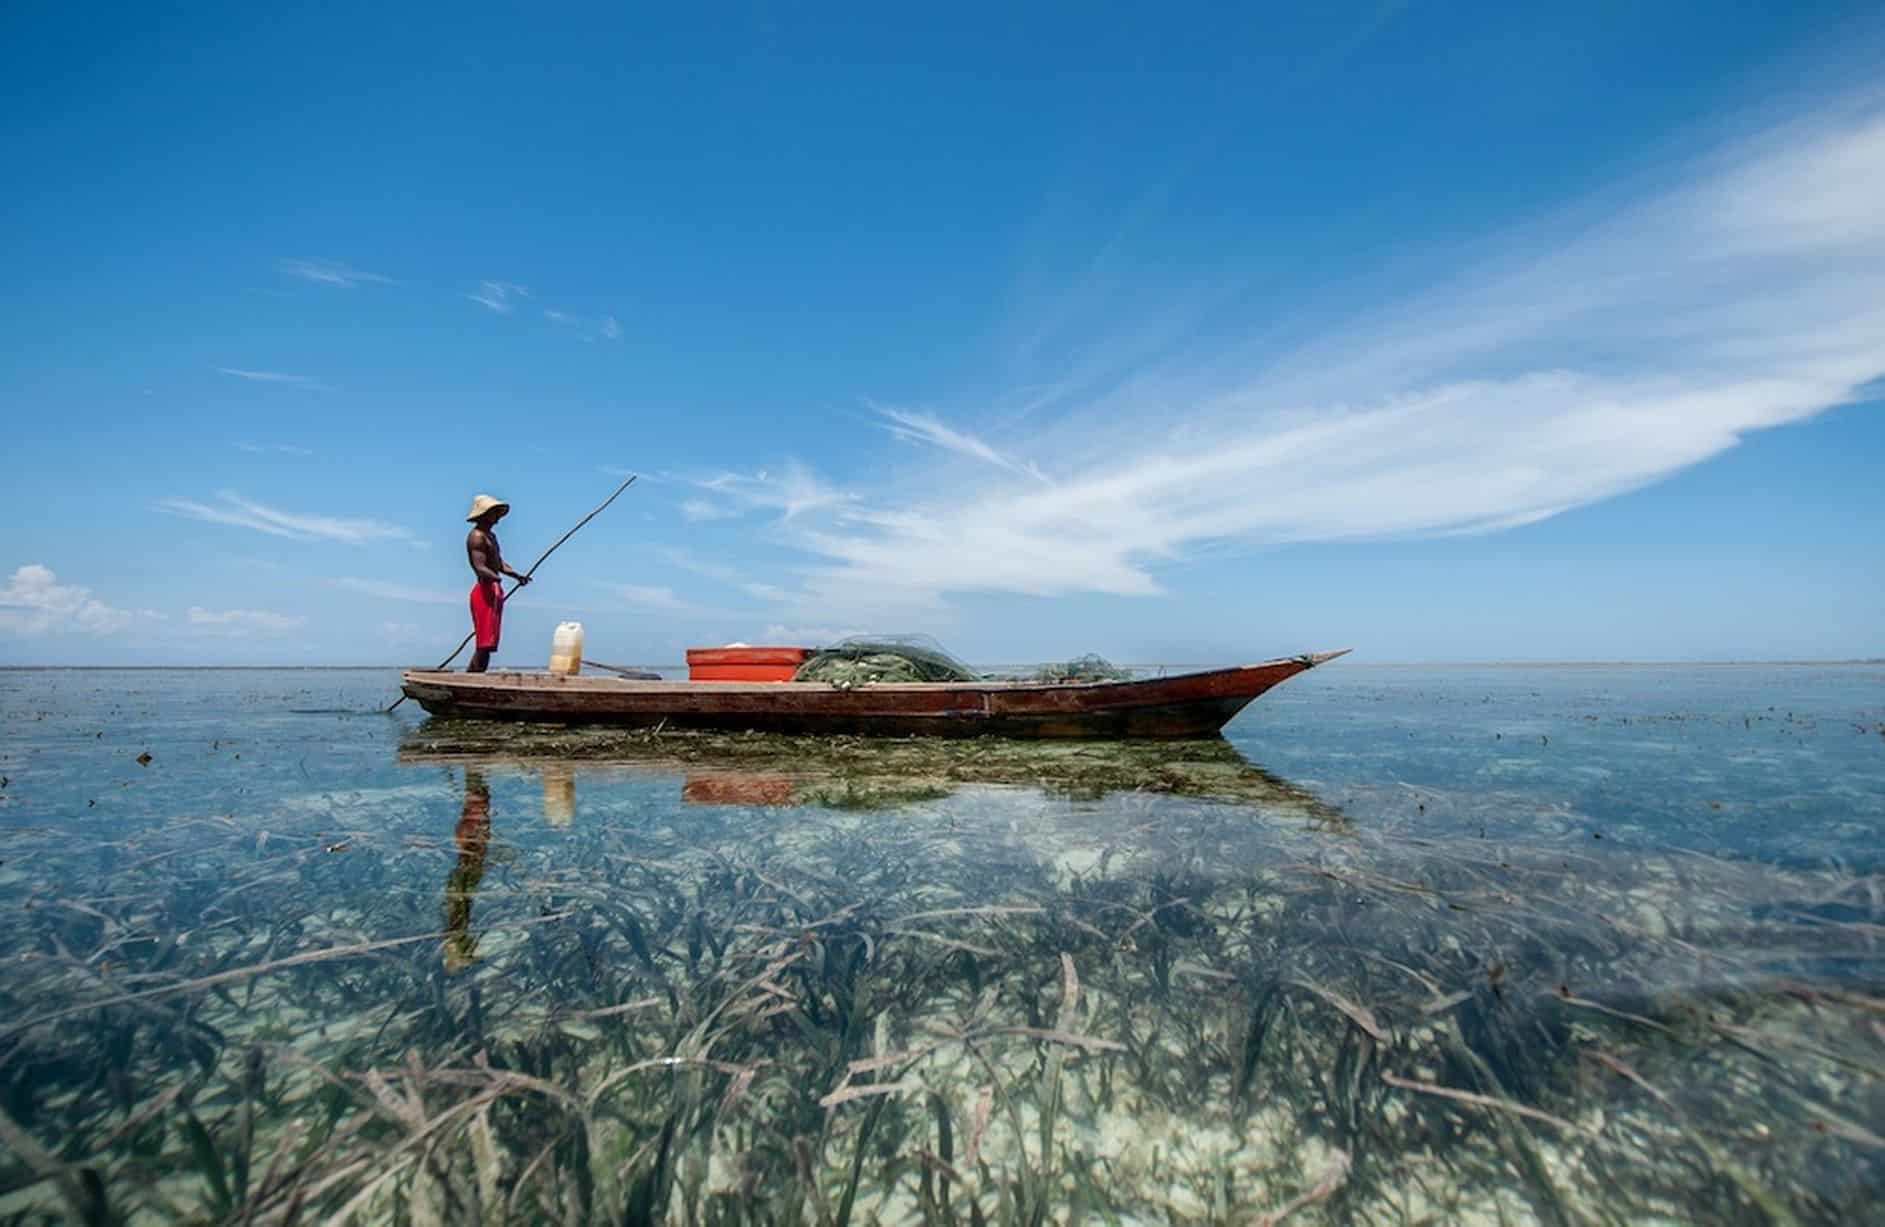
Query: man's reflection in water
x=473 y=837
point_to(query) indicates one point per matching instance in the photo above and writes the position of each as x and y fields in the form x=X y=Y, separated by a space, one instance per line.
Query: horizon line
x=1805 y=662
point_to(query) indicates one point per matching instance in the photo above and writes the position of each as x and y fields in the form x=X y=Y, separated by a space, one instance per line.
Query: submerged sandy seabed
x=310 y=966
x=1002 y=983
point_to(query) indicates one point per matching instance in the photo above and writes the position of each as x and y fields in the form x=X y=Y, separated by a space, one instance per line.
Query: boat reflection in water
x=738 y=788
x=852 y=773
x=1100 y=785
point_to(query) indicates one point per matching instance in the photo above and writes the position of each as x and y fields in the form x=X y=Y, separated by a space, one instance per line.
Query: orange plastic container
x=766 y=664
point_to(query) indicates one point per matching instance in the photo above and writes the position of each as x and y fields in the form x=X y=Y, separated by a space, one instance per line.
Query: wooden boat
x=1181 y=705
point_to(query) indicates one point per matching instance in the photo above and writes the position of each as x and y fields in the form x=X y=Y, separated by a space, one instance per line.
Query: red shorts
x=487 y=614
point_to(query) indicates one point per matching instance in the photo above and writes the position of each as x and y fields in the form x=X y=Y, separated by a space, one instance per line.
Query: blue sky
x=1172 y=333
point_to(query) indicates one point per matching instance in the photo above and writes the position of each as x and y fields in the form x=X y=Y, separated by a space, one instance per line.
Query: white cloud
x=645 y=597
x=232 y=508
x=926 y=428
x=394 y=592
x=701 y=509
x=35 y=602
x=730 y=576
x=656 y=599
x=500 y=296
x=808 y=636
x=792 y=491
x=503 y=297
x=263 y=449
x=244 y=621
x=1587 y=358
x=398 y=632
x=589 y=327
x=326 y=272
x=299 y=381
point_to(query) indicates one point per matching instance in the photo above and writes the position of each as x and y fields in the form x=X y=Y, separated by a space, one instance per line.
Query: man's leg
x=486 y=611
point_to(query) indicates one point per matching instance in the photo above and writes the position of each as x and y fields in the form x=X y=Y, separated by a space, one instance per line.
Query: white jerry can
x=566 y=648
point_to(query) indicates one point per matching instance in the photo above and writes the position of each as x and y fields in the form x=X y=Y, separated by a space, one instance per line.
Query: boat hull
x=1183 y=705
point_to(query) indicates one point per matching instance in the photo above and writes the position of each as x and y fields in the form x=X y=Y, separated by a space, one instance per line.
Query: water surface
x=1447 y=945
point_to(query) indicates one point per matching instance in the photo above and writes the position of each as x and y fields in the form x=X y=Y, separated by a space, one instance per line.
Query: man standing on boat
x=487 y=563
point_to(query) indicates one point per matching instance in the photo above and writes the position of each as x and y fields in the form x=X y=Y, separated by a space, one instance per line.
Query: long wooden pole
x=533 y=570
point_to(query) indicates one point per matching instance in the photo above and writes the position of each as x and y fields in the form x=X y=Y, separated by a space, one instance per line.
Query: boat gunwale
x=527 y=680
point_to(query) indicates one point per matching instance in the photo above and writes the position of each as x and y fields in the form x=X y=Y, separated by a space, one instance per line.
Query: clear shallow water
x=1555 y=945
x=1781 y=764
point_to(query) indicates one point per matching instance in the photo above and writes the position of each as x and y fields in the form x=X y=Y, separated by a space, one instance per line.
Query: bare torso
x=481 y=550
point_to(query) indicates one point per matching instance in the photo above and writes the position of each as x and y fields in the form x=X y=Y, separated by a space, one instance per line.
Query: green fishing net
x=862 y=661
x=891 y=658
x=1088 y=668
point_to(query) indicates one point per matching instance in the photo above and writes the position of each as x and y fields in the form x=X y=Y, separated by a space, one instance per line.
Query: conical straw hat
x=484 y=503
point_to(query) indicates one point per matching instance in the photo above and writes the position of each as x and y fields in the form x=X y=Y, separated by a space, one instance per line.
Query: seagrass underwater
x=1451 y=945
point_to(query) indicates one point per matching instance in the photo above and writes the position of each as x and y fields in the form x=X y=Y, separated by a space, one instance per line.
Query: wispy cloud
x=500 y=296
x=282 y=449
x=233 y=509
x=299 y=381
x=385 y=590
x=701 y=509
x=730 y=576
x=503 y=297
x=792 y=490
x=588 y=326
x=241 y=622
x=657 y=599
x=34 y=602
x=398 y=632
x=927 y=428
x=326 y=272
x=809 y=636
x=1566 y=365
